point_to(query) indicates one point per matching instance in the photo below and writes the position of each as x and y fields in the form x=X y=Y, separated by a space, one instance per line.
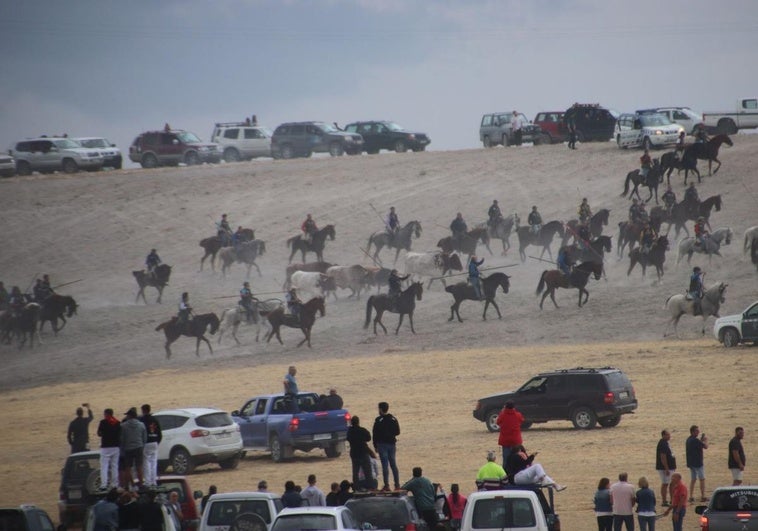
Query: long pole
x=541 y=259
x=376 y=263
x=67 y=283
x=481 y=271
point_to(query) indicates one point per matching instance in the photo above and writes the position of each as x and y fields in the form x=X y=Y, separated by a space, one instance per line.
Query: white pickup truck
x=522 y=507
x=745 y=116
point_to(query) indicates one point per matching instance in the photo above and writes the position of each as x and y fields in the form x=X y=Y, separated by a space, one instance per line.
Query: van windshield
x=651 y=120
x=188 y=138
x=65 y=143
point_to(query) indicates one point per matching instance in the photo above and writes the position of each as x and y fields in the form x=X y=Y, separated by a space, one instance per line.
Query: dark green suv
x=585 y=396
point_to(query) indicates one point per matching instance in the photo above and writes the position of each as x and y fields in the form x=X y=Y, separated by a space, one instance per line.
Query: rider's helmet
x=534 y=207
x=393 y=272
x=494 y=201
x=152 y=250
x=584 y=200
x=392 y=209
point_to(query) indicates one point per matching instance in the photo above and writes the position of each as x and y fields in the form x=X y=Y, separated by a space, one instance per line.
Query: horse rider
x=534 y=220
x=647 y=238
x=473 y=275
x=46 y=284
x=396 y=288
x=237 y=238
x=642 y=212
x=701 y=135
x=585 y=212
x=246 y=301
x=151 y=262
x=645 y=163
x=669 y=199
x=185 y=312
x=293 y=303
x=494 y=215
x=679 y=148
x=701 y=233
x=564 y=261
x=391 y=222
x=583 y=237
x=458 y=227
x=696 y=288
x=3 y=296
x=16 y=301
x=634 y=212
x=37 y=291
x=224 y=231
x=691 y=198
x=309 y=228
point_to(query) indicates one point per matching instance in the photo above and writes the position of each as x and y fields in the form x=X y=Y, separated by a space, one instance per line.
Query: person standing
x=509 y=420
x=694 y=450
x=359 y=437
x=176 y=506
x=678 y=505
x=78 y=430
x=313 y=494
x=424 y=496
x=516 y=126
x=623 y=500
x=105 y=512
x=385 y=432
x=133 y=439
x=212 y=489
x=645 y=499
x=150 y=452
x=665 y=464
x=473 y=275
x=736 y=461
x=291 y=497
x=603 y=507
x=456 y=502
x=290 y=382
x=109 y=431
x=332 y=499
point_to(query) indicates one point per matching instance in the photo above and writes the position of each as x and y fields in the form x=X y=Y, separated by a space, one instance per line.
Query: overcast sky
x=115 y=68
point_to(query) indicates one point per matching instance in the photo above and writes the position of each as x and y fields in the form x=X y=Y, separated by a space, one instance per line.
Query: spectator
x=313 y=494
x=509 y=420
x=491 y=470
x=291 y=498
x=344 y=493
x=290 y=382
x=176 y=505
x=128 y=512
x=665 y=464
x=78 y=430
x=736 y=460
x=603 y=508
x=645 y=499
x=694 y=451
x=332 y=499
x=109 y=431
x=456 y=502
x=678 y=505
x=623 y=500
x=105 y=512
x=262 y=486
x=524 y=471
x=363 y=482
x=152 y=514
x=150 y=451
x=423 y=496
x=359 y=437
x=385 y=432
x=133 y=439
x=332 y=401
x=211 y=491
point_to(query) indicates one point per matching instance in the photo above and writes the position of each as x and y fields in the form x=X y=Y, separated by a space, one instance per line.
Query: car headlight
x=411 y=137
x=658 y=132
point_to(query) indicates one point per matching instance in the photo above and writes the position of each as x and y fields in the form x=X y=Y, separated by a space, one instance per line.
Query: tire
x=287 y=152
x=181 y=462
x=486 y=142
x=372 y=151
x=400 y=147
x=730 y=338
x=580 y=137
x=92 y=483
x=149 y=161
x=543 y=138
x=526 y=425
x=23 y=168
x=336 y=149
x=609 y=422
x=248 y=522
x=583 y=418
x=726 y=126
x=69 y=166
x=277 y=452
x=191 y=158
x=490 y=420
x=230 y=464
x=232 y=155
x=646 y=144
x=308 y=154
x=332 y=451
x=118 y=165
x=419 y=149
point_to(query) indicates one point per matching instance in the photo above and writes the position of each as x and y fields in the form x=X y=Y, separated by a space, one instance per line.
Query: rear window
x=78 y=469
x=736 y=500
x=617 y=380
x=214 y=420
x=171 y=422
x=11 y=520
x=380 y=513
x=223 y=512
x=298 y=522
x=503 y=512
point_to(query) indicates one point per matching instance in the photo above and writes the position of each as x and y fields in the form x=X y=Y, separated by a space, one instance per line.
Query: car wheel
x=418 y=149
x=308 y=154
x=118 y=165
x=726 y=126
x=609 y=422
x=287 y=152
x=336 y=149
x=583 y=418
x=400 y=147
x=731 y=338
x=372 y=151
x=526 y=425
x=332 y=451
x=191 y=159
x=149 y=161
x=486 y=142
x=23 y=168
x=248 y=522
x=181 y=462
x=92 y=483
x=70 y=166
x=230 y=464
x=490 y=419
x=580 y=137
x=231 y=155
x=646 y=144
x=277 y=453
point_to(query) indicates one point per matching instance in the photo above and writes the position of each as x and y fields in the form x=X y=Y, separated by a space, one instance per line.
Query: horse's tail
x=746 y=246
x=541 y=284
x=369 y=305
x=223 y=314
x=666 y=304
x=626 y=183
x=289 y=242
x=368 y=245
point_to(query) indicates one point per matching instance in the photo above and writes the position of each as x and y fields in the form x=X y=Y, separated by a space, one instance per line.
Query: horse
x=543 y=238
x=502 y=229
x=552 y=279
x=277 y=318
x=54 y=308
x=463 y=291
x=629 y=233
x=712 y=245
x=245 y=253
x=400 y=240
x=466 y=243
x=670 y=161
x=233 y=317
x=707 y=151
x=404 y=304
x=679 y=304
x=754 y=252
x=159 y=281
x=683 y=212
x=651 y=181
x=751 y=235
x=655 y=257
x=316 y=245
x=26 y=324
x=195 y=327
x=212 y=245
x=596 y=250
x=598 y=220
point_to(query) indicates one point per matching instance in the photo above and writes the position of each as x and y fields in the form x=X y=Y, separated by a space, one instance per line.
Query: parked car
x=378 y=135
x=552 y=125
x=301 y=139
x=7 y=166
x=683 y=116
x=593 y=122
x=171 y=520
x=585 y=396
x=171 y=147
x=299 y=518
x=391 y=510
x=49 y=154
x=743 y=116
x=25 y=518
x=730 y=509
x=257 y=509
x=495 y=128
x=197 y=436
x=111 y=154
x=646 y=131
x=731 y=330
x=523 y=507
x=242 y=141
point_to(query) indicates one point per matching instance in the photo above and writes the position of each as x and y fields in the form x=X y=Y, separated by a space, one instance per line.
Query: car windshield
x=327 y=128
x=298 y=522
x=65 y=143
x=188 y=138
x=392 y=126
x=95 y=143
x=651 y=120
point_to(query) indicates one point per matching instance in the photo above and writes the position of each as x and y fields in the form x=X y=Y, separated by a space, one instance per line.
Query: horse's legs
x=397 y=254
x=552 y=297
x=140 y=292
x=292 y=254
x=717 y=167
x=235 y=327
x=306 y=338
x=378 y=319
x=410 y=319
x=160 y=294
x=168 y=350
x=199 y=339
x=453 y=311
x=399 y=322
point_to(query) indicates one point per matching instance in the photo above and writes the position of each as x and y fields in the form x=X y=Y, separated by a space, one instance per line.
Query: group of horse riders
x=226 y=235
x=15 y=301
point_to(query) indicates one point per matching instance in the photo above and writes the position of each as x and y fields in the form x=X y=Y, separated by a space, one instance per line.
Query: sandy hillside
x=99 y=227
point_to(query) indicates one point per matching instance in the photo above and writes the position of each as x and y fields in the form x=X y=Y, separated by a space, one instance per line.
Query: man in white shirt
x=516 y=125
x=623 y=499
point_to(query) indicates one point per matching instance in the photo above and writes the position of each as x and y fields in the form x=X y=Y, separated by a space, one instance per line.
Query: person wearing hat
x=395 y=286
x=701 y=233
x=458 y=227
x=701 y=135
x=473 y=275
x=634 y=212
x=696 y=288
x=491 y=470
x=645 y=163
x=691 y=195
x=151 y=262
x=494 y=214
x=246 y=301
x=669 y=199
x=308 y=227
x=133 y=439
x=535 y=221
x=647 y=238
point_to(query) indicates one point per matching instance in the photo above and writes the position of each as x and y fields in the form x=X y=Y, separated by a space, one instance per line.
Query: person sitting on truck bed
x=522 y=470
x=331 y=401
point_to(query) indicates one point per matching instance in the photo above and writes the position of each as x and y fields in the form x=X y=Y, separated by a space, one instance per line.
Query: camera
x=702 y=437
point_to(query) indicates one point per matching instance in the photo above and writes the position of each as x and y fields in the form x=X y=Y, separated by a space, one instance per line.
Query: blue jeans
x=626 y=519
x=506 y=453
x=387 y=458
x=477 y=284
x=647 y=523
x=678 y=522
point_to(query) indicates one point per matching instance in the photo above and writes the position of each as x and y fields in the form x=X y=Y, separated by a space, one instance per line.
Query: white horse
x=678 y=305
x=233 y=317
x=712 y=245
x=245 y=252
x=502 y=231
x=750 y=235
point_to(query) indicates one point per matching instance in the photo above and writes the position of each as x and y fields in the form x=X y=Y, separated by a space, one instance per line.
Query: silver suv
x=112 y=157
x=495 y=129
x=242 y=141
x=49 y=154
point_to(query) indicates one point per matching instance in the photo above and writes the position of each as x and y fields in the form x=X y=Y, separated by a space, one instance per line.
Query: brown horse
x=316 y=245
x=655 y=257
x=212 y=245
x=277 y=318
x=705 y=151
x=195 y=327
x=554 y=278
x=467 y=243
x=160 y=281
x=405 y=303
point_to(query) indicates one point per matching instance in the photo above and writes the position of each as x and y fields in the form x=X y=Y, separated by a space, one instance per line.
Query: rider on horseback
x=647 y=238
x=237 y=238
x=396 y=288
x=391 y=222
x=151 y=262
x=535 y=221
x=679 y=148
x=185 y=312
x=645 y=163
x=16 y=302
x=458 y=227
x=309 y=228
x=669 y=199
x=701 y=233
x=473 y=275
x=293 y=303
x=696 y=289
x=634 y=212
x=583 y=237
x=564 y=261
x=3 y=296
x=246 y=301
x=224 y=231
x=585 y=212
x=494 y=214
x=701 y=135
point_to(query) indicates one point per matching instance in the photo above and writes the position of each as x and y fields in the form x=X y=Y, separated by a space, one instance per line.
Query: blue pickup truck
x=282 y=424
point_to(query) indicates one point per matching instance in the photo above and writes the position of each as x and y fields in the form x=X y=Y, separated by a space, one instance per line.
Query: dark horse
x=277 y=318
x=706 y=151
x=212 y=245
x=595 y=252
x=54 y=308
x=467 y=243
x=651 y=181
x=598 y=220
x=683 y=212
x=404 y=304
x=145 y=279
x=401 y=240
x=463 y=291
x=543 y=238
x=670 y=161
x=196 y=327
x=21 y=325
x=655 y=257
x=554 y=278
x=316 y=245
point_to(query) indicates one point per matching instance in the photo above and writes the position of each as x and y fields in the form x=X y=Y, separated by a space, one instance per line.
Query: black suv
x=25 y=518
x=170 y=147
x=301 y=139
x=592 y=122
x=387 y=135
x=391 y=510
x=583 y=396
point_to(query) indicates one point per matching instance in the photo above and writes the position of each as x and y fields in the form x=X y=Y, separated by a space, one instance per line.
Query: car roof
x=312 y=510
x=87 y=138
x=304 y=123
x=245 y=495
x=582 y=370
x=164 y=131
x=191 y=411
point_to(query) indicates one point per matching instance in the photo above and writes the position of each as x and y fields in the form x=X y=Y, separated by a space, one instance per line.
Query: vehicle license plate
x=223 y=435
x=623 y=395
x=74 y=494
x=322 y=436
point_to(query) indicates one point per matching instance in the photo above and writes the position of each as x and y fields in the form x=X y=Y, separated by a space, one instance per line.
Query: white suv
x=196 y=436
x=49 y=154
x=646 y=131
x=683 y=116
x=112 y=157
x=242 y=141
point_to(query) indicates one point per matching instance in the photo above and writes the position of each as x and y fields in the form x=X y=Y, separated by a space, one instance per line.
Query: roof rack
x=232 y=124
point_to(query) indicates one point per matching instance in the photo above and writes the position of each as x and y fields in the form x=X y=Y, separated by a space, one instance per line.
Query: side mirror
x=236 y=413
x=113 y=145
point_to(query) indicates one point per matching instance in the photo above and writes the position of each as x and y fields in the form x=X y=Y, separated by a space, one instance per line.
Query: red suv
x=170 y=147
x=552 y=126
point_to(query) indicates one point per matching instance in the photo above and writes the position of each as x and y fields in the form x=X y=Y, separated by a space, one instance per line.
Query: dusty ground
x=99 y=227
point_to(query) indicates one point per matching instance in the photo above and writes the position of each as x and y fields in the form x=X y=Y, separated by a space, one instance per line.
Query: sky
x=115 y=68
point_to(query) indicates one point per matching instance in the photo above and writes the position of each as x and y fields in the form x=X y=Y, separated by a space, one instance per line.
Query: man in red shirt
x=509 y=420
x=678 y=501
